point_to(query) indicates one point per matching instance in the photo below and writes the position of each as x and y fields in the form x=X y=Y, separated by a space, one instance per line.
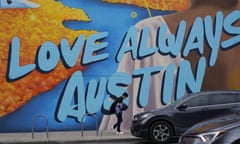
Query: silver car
x=221 y=130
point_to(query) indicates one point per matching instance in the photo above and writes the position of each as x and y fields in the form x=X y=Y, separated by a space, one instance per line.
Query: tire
x=161 y=132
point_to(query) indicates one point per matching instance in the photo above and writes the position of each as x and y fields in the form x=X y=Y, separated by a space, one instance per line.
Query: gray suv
x=161 y=125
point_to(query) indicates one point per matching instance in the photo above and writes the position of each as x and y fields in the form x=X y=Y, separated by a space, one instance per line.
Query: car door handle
x=235 y=106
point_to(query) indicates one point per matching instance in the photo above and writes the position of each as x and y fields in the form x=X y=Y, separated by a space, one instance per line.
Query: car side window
x=200 y=100
x=224 y=98
x=238 y=97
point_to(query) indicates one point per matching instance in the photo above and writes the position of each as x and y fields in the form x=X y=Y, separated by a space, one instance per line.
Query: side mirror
x=182 y=107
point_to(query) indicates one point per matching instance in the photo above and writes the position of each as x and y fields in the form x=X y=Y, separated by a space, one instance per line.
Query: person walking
x=119 y=108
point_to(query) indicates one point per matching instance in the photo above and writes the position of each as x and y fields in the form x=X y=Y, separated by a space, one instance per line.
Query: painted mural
x=66 y=58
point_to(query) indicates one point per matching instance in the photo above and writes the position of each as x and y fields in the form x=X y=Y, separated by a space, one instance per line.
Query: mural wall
x=67 y=58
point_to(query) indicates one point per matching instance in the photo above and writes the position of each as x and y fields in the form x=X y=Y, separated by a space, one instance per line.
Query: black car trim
x=218 y=105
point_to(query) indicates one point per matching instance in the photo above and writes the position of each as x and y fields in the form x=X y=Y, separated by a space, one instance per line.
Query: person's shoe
x=120 y=133
x=113 y=129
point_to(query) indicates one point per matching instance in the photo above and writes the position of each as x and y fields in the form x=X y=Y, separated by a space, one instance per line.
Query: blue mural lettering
x=231 y=29
x=129 y=44
x=186 y=77
x=69 y=54
x=76 y=99
x=170 y=44
x=145 y=74
x=95 y=95
x=93 y=47
x=213 y=39
x=116 y=87
x=168 y=83
x=47 y=57
x=195 y=38
x=73 y=98
x=143 y=50
x=15 y=71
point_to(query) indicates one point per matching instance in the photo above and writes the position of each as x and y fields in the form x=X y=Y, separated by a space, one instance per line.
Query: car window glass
x=179 y=100
x=237 y=97
x=224 y=98
x=200 y=100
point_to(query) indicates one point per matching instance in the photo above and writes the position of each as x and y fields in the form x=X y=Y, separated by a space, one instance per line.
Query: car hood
x=165 y=111
x=215 y=124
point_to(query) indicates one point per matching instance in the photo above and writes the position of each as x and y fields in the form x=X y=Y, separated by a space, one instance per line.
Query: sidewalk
x=63 y=137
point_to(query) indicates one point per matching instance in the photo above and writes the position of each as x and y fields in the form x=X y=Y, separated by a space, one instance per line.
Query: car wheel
x=161 y=132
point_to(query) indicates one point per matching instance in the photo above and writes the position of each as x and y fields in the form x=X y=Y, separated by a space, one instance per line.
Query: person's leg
x=116 y=124
x=119 y=117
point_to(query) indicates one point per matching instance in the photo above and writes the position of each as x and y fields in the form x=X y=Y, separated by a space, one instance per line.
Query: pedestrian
x=119 y=106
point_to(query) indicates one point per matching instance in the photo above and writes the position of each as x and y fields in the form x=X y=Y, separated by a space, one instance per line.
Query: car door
x=223 y=103
x=192 y=110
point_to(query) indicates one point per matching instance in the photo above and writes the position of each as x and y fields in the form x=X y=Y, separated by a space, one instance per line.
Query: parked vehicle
x=221 y=130
x=161 y=125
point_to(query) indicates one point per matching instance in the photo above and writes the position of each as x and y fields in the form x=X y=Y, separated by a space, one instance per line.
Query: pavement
x=64 y=137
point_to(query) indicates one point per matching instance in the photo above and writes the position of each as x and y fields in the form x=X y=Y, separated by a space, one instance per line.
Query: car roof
x=210 y=92
x=214 y=92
